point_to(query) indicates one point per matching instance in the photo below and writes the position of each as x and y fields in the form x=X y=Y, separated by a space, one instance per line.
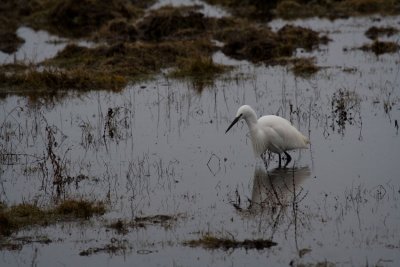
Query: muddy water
x=160 y=148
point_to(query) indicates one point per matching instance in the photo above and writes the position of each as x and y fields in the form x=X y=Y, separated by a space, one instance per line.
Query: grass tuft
x=380 y=48
x=16 y=217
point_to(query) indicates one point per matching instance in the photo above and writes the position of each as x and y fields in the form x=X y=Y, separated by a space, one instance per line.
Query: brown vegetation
x=23 y=215
x=291 y=9
x=138 y=46
x=211 y=242
x=375 y=32
x=304 y=67
x=260 y=44
x=380 y=48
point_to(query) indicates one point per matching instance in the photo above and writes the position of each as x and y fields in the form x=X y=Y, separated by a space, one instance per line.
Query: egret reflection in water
x=277 y=188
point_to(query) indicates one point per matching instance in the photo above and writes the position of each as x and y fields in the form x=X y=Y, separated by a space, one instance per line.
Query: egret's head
x=243 y=112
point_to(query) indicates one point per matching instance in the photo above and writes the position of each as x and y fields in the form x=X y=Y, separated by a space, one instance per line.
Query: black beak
x=233 y=122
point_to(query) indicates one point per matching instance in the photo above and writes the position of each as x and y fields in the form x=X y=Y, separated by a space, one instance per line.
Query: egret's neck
x=251 y=120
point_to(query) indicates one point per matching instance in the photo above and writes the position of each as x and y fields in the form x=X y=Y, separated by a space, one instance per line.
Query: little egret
x=271 y=133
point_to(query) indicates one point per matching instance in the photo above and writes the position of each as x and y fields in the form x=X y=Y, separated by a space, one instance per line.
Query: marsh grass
x=199 y=68
x=304 y=67
x=381 y=47
x=375 y=32
x=243 y=40
x=17 y=217
x=173 y=23
x=138 y=47
x=134 y=60
x=34 y=80
x=293 y=9
x=68 y=19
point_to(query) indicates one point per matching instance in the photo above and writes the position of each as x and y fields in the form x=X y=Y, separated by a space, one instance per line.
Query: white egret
x=272 y=133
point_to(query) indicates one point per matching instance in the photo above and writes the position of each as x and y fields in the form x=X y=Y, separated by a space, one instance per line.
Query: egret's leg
x=264 y=158
x=288 y=158
x=279 y=155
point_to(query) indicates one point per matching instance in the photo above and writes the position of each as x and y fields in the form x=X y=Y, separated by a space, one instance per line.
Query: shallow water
x=160 y=148
x=38 y=46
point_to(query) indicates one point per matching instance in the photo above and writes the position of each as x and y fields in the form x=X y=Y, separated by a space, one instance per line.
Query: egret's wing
x=289 y=136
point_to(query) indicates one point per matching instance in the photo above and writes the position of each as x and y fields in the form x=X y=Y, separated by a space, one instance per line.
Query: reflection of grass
x=121 y=226
x=115 y=247
x=198 y=67
x=304 y=67
x=209 y=241
x=345 y=105
x=23 y=215
x=201 y=70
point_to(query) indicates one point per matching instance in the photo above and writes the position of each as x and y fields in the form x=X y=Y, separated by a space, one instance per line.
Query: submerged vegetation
x=19 y=216
x=209 y=241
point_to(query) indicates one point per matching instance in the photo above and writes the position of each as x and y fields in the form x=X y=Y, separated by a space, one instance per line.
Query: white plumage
x=271 y=132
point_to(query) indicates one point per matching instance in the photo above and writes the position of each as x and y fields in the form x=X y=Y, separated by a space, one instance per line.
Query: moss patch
x=211 y=242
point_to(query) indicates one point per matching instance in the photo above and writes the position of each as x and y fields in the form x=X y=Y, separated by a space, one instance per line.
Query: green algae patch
x=20 y=216
x=212 y=242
